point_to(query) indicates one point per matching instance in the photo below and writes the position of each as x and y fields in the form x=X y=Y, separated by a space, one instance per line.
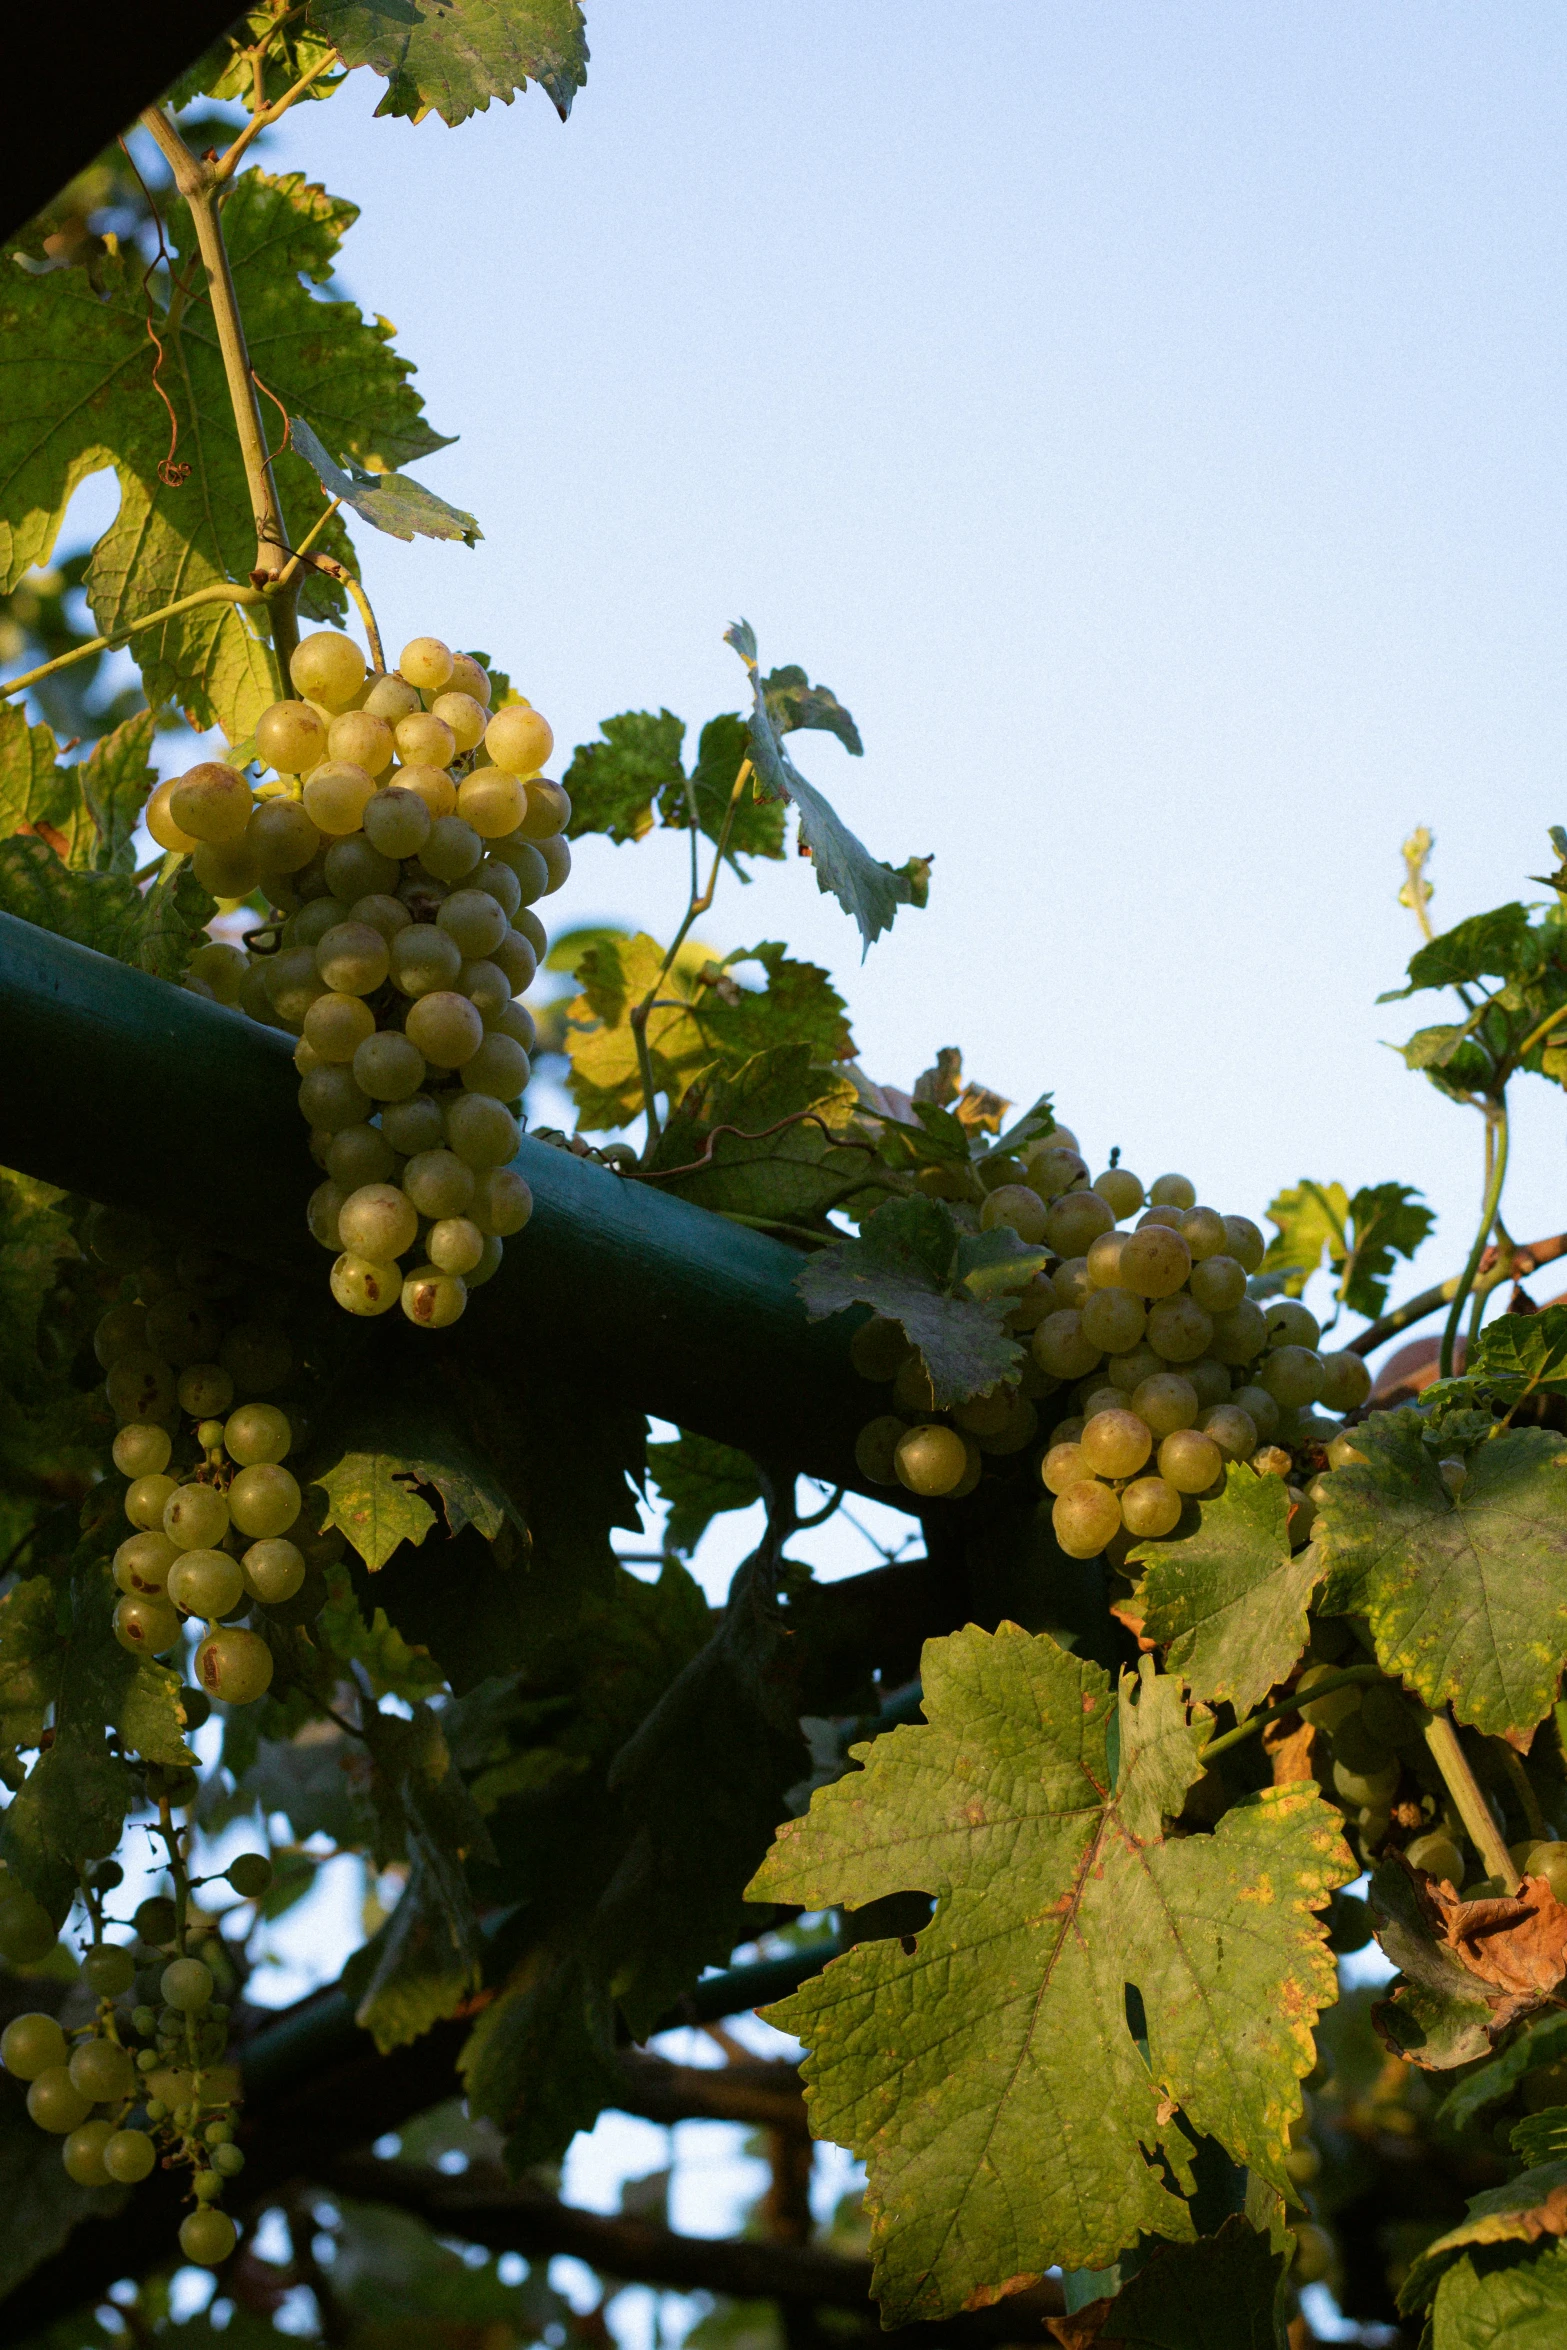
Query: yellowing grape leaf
x=1359 y=1237
x=76 y=395
x=373 y=1501
x=1530 y=2210
x=1466 y=1597
x=451 y=57
x=1228 y=1602
x=989 y=2076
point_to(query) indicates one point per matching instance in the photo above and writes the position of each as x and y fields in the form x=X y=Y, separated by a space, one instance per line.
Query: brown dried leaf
x=1516 y=1944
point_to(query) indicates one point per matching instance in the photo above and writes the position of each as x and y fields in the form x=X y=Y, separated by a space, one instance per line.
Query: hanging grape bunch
x=1168 y=1368
x=216 y=1518
x=403 y=845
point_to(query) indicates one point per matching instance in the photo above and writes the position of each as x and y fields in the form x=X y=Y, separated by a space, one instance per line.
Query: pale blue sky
x=1148 y=420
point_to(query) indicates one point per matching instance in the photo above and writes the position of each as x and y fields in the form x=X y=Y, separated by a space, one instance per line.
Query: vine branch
x=222 y=591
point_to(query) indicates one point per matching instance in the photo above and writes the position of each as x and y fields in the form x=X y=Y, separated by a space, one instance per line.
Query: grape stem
x=1352 y=1677
x=200 y=185
x=1528 y=1801
x=700 y=901
x=221 y=591
x=1496 y=1136
x=1496 y=1266
x=265 y=116
x=1473 y=1810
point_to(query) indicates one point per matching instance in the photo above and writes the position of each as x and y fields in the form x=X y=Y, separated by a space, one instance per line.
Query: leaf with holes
x=1227 y=1602
x=990 y=2077
x=1466 y=1596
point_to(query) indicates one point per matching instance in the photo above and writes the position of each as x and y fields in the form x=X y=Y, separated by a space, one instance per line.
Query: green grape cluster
x=405 y=838
x=146 y=2079
x=1170 y=1369
x=215 y=1516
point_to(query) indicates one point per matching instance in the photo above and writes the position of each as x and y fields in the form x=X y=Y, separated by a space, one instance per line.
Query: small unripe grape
x=500 y=1067
x=397 y=821
x=1166 y=1401
x=1095 y=1394
x=206 y=1583
x=1346 y=1382
x=1244 y=1242
x=473 y=919
x=251 y=1876
x=327 y=667
x=273 y=1571
x=481 y=1131
x=1240 y=1335
x=330 y=1097
x=212 y=803
x=1064 y=1465
x=361 y=1154
x=1076 y=1220
x=431 y=1299
x=1325 y=1713
x=141 y=1387
x=1113 y=1319
x=207 y=2236
x=356 y=868
x=110 y=1970
x=259 y=1356
x=463 y=715
x=1150 y=1507
x=1085 y=1516
x=517 y=957
x=1115 y=1443
x=389 y=1067
x=205 y=1390
x=452 y=850
x=226 y=869
x=1292 y=1375
x=498 y=881
x=1232 y=1429
x=195 y=1517
x=518 y=739
x=527 y=921
x=147 y=1498
x=1218 y=1283
x=426 y=663
x=222 y=966
x=439 y=1184
x=1172 y=1191
x=101 y=2071
x=423 y=740
x=1190 y=1461
x=492 y=801
x=321 y=1213
x=142 y=1564
x=121 y=1331
x=876 y=1448
x=182 y=1328
x=83 y=2153
x=454 y=1245
x=931 y=1460
x=234 y=1665
x=55 y=2103
x=502 y=1202
x=1178 y=1329
x=487 y=988
x=186 y=1984
x=292 y=983
x=291 y=737
x=489 y=1264
x=1290 y=1323
x=1202 y=1229
x=548 y=811
x=413 y=1126
x=1260 y=1408
x=352 y=958
x=336 y=796
x=530 y=868
x=378 y=1221
x=161 y=824
x=1366 y=1787
x=1017 y=1207
x=1122 y=1189
x=1061 y=1347
x=264 y=1500
x=431 y=785
x=365 y=1288
x=445 y=1028
x=361 y=738
x=281 y=837
x=424 y=959
x=128 y=2156
x=388 y=697
x=878 y=1348
x=383 y=912
x=33 y=2044
x=1155 y=1262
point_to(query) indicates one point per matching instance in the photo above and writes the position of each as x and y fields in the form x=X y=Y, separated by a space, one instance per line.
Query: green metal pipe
x=126 y=1089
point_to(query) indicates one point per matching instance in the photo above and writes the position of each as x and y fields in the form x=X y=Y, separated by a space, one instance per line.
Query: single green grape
x=1172 y=1191
x=128 y=2156
x=109 y=1969
x=102 y=2071
x=264 y=1500
x=431 y=1299
x=1165 y=1402
x=33 y=2044
x=1115 y=1443
x=1155 y=1262
x=207 y=2237
x=187 y=1985
x=55 y=2103
x=876 y=1448
x=1150 y=1506
x=257 y=1432
x=83 y=2153
x=250 y=1874
x=1190 y=1461
x=1085 y=1515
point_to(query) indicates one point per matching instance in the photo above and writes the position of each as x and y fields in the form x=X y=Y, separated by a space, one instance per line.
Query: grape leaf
x=1542 y=2137
x=392 y=502
x=1228 y=1602
x=909 y=1262
x=1438 y=2014
x=1504 y=2299
x=1220 y=2293
x=314 y=1779
x=756 y=828
x=76 y=395
x=699 y=1479
x=1542 y=2042
x=703 y=1020
x=105 y=911
x=1531 y=2209
x=1521 y=1354
x=792 y=701
x=451 y=57
x=86 y=813
x=990 y=2077
x=763 y=1140
x=1359 y=1237
x=866 y=888
x=390 y=1665
x=31 y=1651
x=374 y=1502
x=1466 y=1597
x=613 y=783
x=1502 y=944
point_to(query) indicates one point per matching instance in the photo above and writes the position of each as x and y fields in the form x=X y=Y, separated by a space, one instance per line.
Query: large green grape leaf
x=392 y=502
x=614 y=782
x=106 y=911
x=1528 y=2210
x=1502 y=944
x=1359 y=1237
x=699 y=1479
x=1504 y=2300
x=951 y=1292
x=76 y=395
x=771 y=1138
x=1521 y=1354
x=1466 y=1597
x=86 y=813
x=703 y=1020
x=1228 y=1602
x=863 y=885
x=451 y=57
x=992 y=2076
x=756 y=825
